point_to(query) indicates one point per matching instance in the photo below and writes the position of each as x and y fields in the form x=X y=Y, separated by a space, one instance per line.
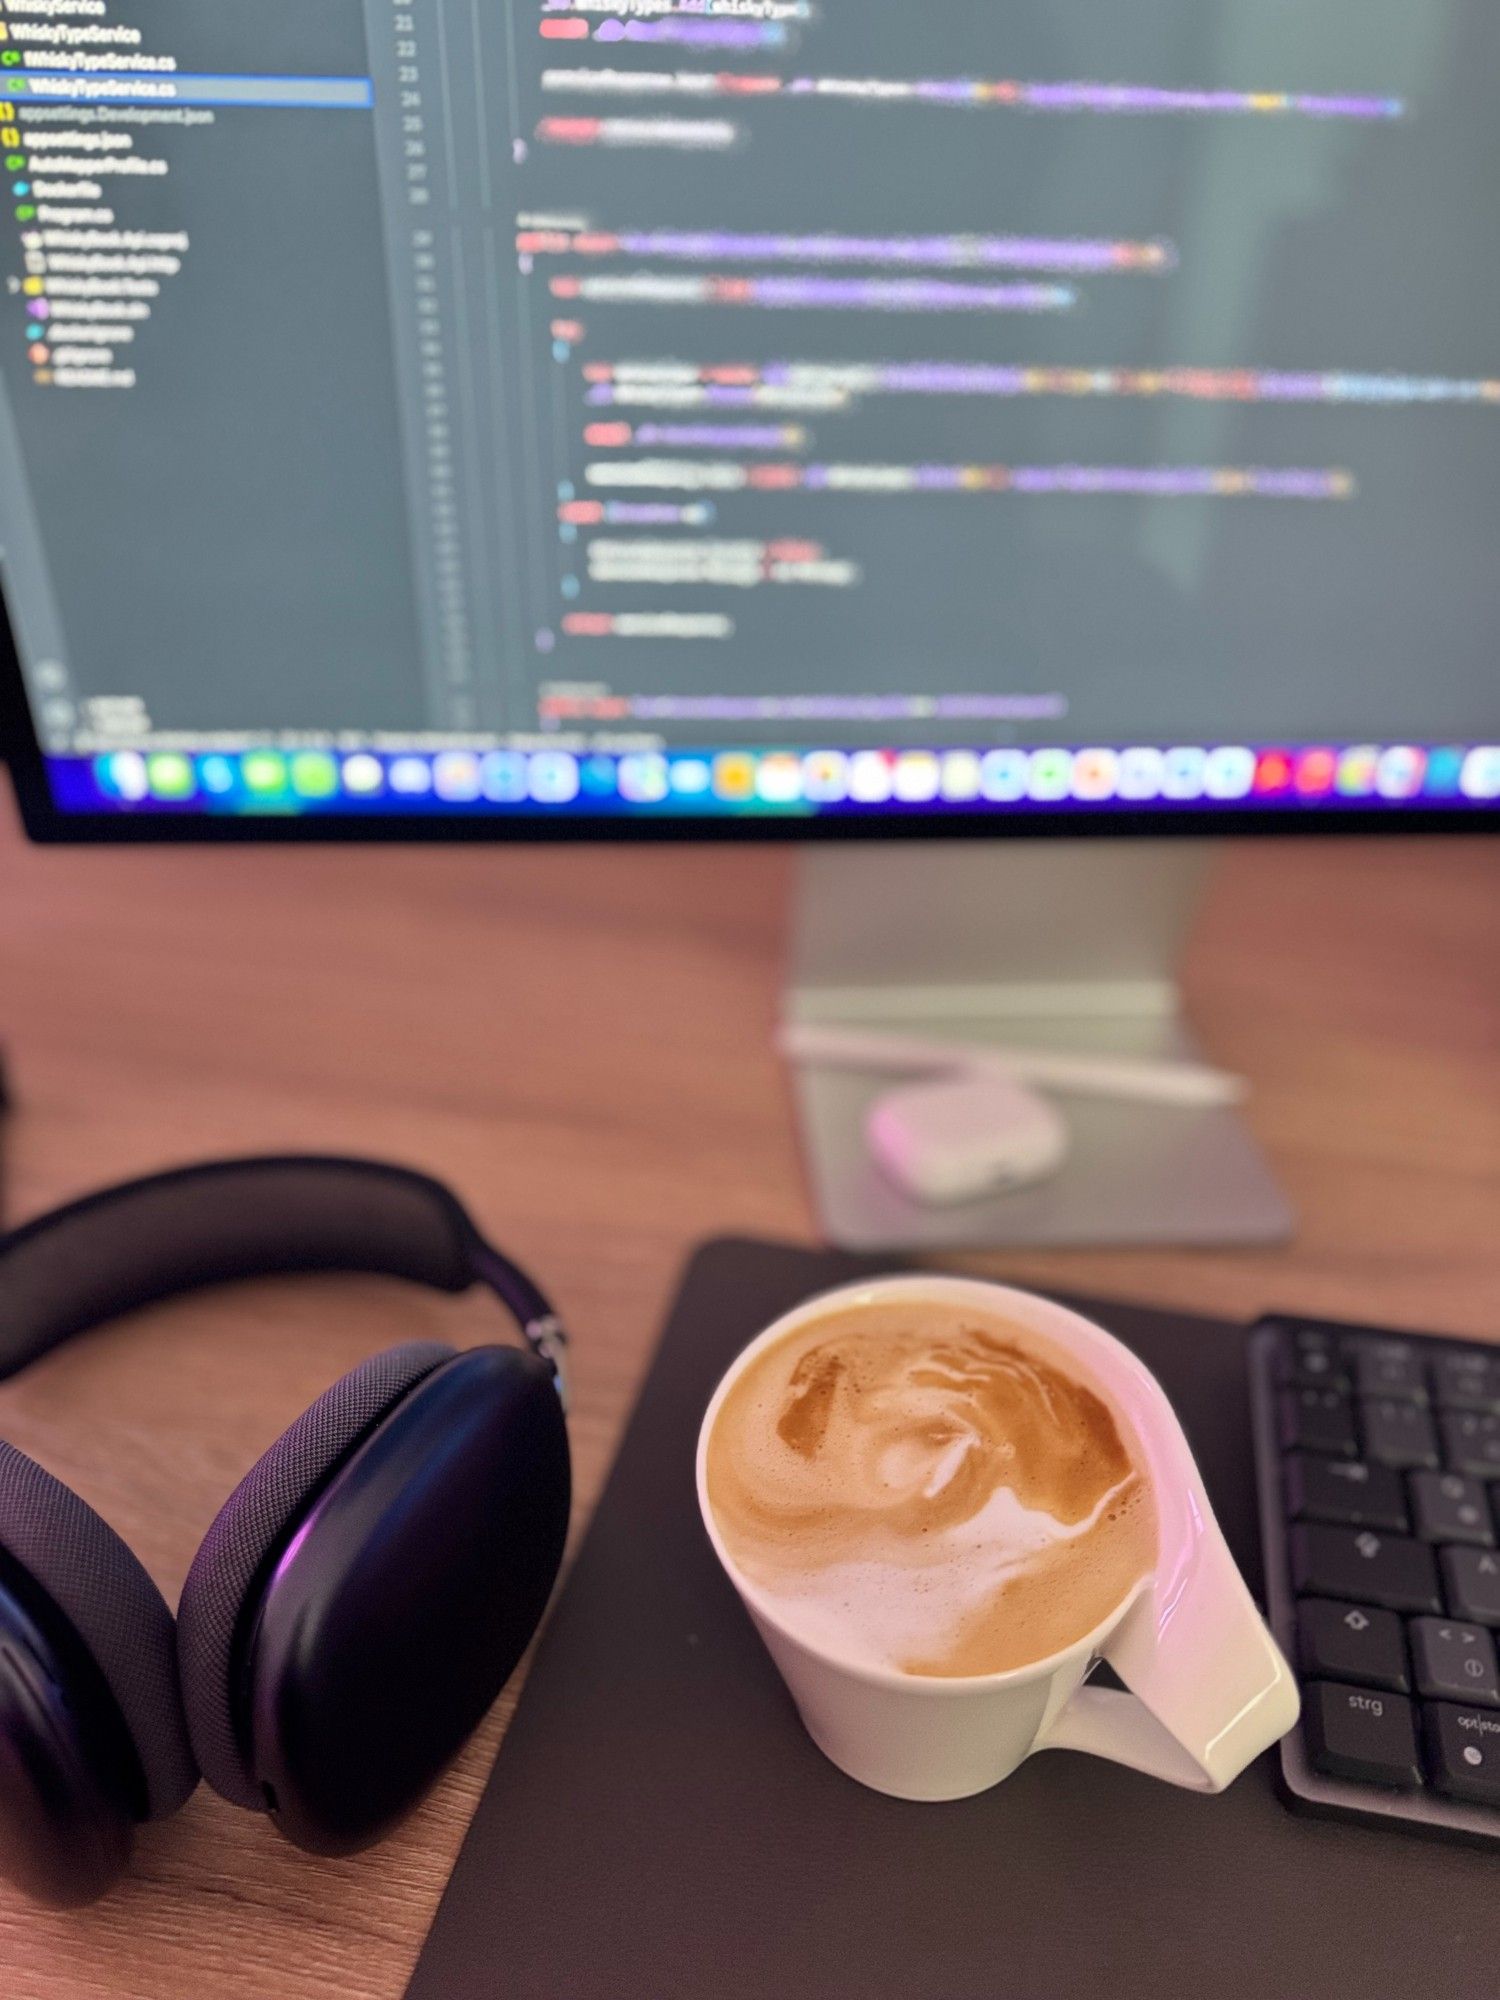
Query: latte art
x=929 y=1489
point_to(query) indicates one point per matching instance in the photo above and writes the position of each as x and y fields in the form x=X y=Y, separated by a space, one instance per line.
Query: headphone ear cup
x=92 y=1736
x=249 y=1533
x=402 y=1598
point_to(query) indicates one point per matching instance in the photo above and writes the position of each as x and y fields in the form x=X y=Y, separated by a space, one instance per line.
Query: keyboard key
x=1471 y=1584
x=1471 y=1441
x=1454 y=1662
x=1398 y=1433
x=1345 y=1491
x=1389 y=1570
x=1318 y=1420
x=1311 y=1358
x=1354 y=1733
x=1447 y=1507
x=1388 y=1368
x=1465 y=1379
x=1351 y=1642
x=1463 y=1752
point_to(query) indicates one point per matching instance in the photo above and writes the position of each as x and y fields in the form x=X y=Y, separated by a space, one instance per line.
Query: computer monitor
x=770 y=418
x=518 y=416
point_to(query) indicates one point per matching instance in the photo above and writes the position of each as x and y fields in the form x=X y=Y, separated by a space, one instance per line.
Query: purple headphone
x=363 y=1594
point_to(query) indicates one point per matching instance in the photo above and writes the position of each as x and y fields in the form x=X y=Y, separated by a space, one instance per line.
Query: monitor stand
x=1065 y=945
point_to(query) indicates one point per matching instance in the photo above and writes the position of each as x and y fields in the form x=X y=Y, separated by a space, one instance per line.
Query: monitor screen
x=532 y=410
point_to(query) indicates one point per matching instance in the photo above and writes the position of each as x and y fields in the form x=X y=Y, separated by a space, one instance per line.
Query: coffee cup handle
x=1207 y=1687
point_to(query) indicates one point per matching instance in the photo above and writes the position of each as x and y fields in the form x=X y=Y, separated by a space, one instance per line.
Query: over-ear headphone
x=363 y=1594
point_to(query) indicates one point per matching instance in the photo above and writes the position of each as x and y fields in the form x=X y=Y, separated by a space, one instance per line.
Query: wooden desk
x=580 y=1042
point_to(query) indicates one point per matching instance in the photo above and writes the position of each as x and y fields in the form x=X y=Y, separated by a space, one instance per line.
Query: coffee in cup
x=929 y=1488
x=941 y=1503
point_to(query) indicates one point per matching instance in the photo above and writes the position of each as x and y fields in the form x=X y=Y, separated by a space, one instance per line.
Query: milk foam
x=923 y=1488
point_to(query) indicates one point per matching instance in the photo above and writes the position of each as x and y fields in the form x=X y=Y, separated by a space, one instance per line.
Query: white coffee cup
x=1208 y=1687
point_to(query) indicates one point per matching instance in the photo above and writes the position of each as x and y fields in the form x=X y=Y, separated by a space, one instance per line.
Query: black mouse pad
x=658 y=1827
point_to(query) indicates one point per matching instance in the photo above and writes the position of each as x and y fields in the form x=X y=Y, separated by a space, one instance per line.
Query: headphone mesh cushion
x=115 y=1608
x=247 y=1530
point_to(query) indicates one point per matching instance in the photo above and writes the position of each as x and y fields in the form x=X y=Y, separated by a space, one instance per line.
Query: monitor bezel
x=49 y=826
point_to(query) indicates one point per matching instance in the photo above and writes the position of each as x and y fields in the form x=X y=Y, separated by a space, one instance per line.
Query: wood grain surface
x=579 y=1040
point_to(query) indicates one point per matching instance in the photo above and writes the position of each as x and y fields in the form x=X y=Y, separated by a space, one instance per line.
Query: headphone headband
x=168 y=1233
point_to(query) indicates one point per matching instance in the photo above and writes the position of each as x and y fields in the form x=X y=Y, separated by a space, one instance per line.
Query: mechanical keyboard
x=1378 y=1465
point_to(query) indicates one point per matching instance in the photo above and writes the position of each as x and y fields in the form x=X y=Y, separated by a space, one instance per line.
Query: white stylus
x=1144 y=1078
